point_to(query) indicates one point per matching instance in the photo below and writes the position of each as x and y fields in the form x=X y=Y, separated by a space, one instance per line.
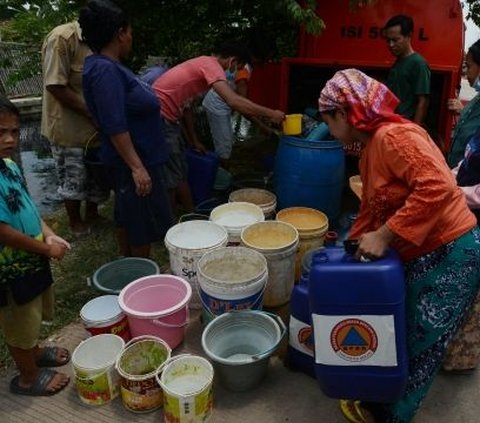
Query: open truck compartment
x=353 y=38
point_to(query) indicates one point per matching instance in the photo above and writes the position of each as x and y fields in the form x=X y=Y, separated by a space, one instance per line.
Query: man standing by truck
x=409 y=77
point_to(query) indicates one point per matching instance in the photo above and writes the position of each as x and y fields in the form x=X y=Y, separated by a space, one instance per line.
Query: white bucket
x=231 y=278
x=104 y=315
x=278 y=242
x=311 y=224
x=264 y=199
x=236 y=216
x=186 y=243
x=187 y=389
x=93 y=363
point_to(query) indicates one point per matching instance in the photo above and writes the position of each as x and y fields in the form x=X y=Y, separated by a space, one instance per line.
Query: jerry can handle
x=351 y=246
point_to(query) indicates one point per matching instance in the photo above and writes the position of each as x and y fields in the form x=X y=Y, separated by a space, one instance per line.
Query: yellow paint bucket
x=187 y=389
x=292 y=125
x=311 y=224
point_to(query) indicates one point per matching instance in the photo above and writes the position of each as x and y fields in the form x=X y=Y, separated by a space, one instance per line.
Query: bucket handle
x=105 y=290
x=192 y=216
x=212 y=314
x=283 y=331
x=146 y=337
x=170 y=325
x=94 y=376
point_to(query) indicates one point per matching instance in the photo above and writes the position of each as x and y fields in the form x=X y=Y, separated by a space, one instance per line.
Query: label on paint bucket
x=217 y=306
x=189 y=409
x=355 y=340
x=300 y=336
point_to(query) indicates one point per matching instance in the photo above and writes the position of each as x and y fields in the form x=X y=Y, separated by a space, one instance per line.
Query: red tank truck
x=353 y=38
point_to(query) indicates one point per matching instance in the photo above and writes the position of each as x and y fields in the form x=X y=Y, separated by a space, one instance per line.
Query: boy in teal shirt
x=26 y=294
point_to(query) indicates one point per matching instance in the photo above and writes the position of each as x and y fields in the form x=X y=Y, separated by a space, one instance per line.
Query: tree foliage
x=180 y=29
x=473 y=10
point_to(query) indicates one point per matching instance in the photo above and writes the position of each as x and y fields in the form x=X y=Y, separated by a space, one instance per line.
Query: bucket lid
x=237 y=215
x=304 y=218
x=101 y=310
x=195 y=234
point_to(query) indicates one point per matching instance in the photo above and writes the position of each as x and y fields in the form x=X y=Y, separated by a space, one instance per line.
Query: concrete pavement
x=284 y=396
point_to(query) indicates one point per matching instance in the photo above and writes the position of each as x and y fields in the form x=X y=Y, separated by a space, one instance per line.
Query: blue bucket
x=202 y=170
x=309 y=174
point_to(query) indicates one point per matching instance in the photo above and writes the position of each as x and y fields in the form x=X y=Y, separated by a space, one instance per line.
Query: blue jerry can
x=359 y=325
x=300 y=334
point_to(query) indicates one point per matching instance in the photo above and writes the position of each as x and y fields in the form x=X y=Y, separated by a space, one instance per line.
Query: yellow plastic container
x=311 y=224
x=292 y=125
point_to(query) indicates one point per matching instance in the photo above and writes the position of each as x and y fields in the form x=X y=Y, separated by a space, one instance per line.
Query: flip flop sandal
x=48 y=358
x=39 y=387
x=351 y=411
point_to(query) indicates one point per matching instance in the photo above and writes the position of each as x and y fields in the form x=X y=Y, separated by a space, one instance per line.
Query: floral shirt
x=18 y=211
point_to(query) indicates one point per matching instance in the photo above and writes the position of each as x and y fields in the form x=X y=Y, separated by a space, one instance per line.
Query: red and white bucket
x=104 y=315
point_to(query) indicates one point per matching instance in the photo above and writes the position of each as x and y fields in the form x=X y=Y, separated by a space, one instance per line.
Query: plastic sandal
x=351 y=411
x=39 y=388
x=49 y=358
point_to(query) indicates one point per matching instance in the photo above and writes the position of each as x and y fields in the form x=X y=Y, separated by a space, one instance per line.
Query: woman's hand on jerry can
x=374 y=245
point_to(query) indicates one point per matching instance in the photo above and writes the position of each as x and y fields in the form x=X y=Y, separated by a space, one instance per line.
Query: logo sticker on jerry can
x=363 y=340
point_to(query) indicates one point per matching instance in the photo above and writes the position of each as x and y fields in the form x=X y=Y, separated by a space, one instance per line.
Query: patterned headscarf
x=370 y=104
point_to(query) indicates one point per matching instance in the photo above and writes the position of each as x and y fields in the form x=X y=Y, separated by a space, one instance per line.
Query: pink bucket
x=157 y=305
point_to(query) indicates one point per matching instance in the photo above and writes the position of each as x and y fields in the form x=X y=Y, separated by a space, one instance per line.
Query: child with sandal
x=26 y=294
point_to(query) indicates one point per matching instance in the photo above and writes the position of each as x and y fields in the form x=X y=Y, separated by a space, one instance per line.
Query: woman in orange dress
x=410 y=202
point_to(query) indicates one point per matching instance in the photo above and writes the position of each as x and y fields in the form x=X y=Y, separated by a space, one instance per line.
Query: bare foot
x=51 y=356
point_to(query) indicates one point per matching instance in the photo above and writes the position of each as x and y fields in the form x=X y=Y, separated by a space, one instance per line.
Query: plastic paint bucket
x=240 y=344
x=292 y=125
x=157 y=305
x=236 y=216
x=93 y=363
x=231 y=278
x=113 y=276
x=139 y=362
x=311 y=224
x=187 y=389
x=278 y=242
x=264 y=199
x=104 y=315
x=186 y=243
